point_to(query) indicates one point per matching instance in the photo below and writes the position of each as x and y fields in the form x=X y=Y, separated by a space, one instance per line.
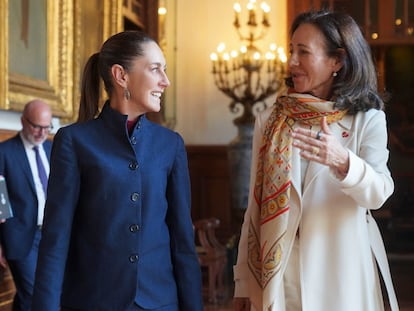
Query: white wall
x=10 y=120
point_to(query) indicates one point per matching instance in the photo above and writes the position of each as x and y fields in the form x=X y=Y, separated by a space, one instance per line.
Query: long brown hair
x=355 y=86
x=122 y=49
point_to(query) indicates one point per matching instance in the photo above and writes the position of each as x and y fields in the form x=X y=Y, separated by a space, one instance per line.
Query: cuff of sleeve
x=355 y=172
x=240 y=285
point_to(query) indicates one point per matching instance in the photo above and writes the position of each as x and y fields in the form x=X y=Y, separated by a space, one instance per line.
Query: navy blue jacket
x=117 y=224
x=18 y=232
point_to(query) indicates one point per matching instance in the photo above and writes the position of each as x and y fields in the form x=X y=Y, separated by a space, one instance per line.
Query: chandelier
x=249 y=76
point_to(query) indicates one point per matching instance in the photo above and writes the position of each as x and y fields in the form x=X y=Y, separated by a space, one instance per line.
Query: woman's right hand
x=241 y=304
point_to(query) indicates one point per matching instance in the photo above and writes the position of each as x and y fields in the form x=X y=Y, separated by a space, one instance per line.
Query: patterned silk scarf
x=269 y=216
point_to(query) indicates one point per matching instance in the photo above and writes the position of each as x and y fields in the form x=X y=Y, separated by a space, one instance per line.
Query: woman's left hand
x=322 y=147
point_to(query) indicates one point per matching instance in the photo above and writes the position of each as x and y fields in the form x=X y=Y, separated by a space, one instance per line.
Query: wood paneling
x=210 y=187
x=7 y=290
x=4 y=134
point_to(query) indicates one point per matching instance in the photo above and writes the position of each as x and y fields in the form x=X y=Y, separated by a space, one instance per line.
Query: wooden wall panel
x=7 y=290
x=210 y=187
x=4 y=134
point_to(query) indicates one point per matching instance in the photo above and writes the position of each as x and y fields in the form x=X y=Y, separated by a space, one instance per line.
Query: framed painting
x=37 y=53
x=44 y=45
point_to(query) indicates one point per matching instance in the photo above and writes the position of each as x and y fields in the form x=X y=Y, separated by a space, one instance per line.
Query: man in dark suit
x=26 y=180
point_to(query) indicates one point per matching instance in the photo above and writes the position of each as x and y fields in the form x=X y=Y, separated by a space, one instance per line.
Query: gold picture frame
x=74 y=31
x=56 y=87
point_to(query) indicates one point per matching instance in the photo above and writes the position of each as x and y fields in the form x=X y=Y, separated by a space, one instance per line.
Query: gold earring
x=127 y=94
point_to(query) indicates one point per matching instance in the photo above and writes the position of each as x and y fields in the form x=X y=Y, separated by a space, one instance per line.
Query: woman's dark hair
x=122 y=49
x=355 y=86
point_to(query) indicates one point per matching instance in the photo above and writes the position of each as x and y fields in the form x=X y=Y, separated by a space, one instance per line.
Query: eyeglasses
x=38 y=127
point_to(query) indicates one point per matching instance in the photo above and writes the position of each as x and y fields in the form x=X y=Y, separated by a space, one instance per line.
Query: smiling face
x=147 y=79
x=310 y=67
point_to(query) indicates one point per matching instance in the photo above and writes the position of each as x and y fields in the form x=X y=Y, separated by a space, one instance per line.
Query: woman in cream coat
x=319 y=166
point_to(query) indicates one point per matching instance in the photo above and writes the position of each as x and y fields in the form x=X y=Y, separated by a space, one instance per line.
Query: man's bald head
x=36 y=121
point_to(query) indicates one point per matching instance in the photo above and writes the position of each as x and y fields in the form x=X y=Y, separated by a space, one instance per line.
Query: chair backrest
x=205 y=230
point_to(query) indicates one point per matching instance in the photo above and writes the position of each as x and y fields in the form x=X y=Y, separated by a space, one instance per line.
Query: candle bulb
x=221 y=47
x=234 y=55
x=214 y=58
x=252 y=15
x=237 y=10
x=269 y=57
x=282 y=54
x=266 y=9
x=226 y=58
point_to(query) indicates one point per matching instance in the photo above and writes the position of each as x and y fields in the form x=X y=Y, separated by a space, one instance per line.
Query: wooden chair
x=212 y=256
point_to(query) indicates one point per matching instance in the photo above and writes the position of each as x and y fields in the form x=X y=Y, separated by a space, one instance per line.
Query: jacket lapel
x=21 y=158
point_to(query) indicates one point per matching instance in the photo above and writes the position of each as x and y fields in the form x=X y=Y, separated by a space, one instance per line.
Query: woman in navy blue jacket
x=117 y=234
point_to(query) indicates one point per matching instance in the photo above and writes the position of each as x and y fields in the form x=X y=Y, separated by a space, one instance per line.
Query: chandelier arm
x=248 y=78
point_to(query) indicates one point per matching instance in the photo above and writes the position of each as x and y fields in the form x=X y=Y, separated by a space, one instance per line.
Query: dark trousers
x=23 y=272
x=135 y=307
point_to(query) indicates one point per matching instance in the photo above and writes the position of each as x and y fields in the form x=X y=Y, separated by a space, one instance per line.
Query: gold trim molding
x=3 y=55
x=57 y=88
x=70 y=26
x=112 y=19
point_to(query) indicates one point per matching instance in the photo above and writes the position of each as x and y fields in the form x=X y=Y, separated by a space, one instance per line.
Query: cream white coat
x=337 y=267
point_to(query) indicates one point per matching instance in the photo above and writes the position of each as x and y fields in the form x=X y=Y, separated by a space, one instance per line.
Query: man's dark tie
x=41 y=168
